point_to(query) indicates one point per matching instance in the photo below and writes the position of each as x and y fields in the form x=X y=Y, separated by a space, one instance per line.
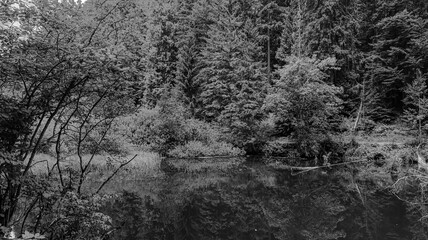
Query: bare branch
x=114 y=173
x=85 y=168
x=33 y=152
x=99 y=23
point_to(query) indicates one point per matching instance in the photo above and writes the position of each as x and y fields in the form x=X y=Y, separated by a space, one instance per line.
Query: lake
x=239 y=199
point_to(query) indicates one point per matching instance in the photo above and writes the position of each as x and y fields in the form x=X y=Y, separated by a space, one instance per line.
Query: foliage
x=200 y=149
x=70 y=75
x=75 y=217
x=323 y=149
x=301 y=100
x=390 y=60
x=277 y=148
x=417 y=103
x=234 y=75
x=159 y=129
x=169 y=128
x=159 y=55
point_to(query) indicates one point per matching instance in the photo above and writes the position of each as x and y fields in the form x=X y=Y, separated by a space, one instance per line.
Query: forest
x=96 y=93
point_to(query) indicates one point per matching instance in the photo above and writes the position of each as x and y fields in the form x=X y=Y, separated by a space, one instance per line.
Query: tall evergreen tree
x=162 y=50
x=235 y=78
x=192 y=30
x=389 y=62
x=270 y=14
x=302 y=101
x=416 y=101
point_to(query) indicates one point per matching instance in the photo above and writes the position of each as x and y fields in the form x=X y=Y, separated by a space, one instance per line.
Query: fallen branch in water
x=205 y=157
x=306 y=169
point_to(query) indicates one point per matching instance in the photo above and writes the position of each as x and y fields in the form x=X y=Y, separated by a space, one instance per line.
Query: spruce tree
x=416 y=101
x=161 y=50
x=235 y=77
x=192 y=29
x=302 y=101
x=388 y=42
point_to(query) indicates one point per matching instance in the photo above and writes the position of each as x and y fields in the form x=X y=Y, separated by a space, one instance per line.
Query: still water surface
x=254 y=201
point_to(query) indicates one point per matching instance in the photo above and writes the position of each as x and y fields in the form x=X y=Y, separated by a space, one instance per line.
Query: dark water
x=253 y=201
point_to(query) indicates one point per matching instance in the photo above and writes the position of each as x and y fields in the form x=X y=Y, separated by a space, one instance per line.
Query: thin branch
x=39 y=124
x=41 y=82
x=41 y=161
x=98 y=144
x=115 y=172
x=85 y=168
x=29 y=210
x=58 y=157
x=33 y=152
x=99 y=23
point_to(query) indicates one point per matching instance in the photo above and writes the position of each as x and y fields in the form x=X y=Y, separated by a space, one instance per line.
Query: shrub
x=114 y=146
x=158 y=129
x=320 y=146
x=168 y=129
x=67 y=215
x=254 y=138
x=276 y=148
x=202 y=131
x=301 y=100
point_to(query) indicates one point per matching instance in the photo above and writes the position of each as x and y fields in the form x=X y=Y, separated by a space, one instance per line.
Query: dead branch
x=114 y=173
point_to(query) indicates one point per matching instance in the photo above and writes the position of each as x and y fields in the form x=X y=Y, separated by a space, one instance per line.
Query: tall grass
x=145 y=165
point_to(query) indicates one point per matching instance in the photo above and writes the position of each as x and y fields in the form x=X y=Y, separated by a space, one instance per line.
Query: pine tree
x=235 y=78
x=416 y=101
x=387 y=37
x=301 y=99
x=391 y=63
x=192 y=29
x=161 y=50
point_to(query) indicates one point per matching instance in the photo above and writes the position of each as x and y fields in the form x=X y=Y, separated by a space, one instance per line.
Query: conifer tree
x=271 y=14
x=161 y=50
x=416 y=101
x=388 y=42
x=301 y=100
x=235 y=78
x=192 y=28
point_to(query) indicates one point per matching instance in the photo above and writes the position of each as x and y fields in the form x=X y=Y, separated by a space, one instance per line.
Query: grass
x=145 y=166
x=384 y=135
x=146 y=162
x=143 y=175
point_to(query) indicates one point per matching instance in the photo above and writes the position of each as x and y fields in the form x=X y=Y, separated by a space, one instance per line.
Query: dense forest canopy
x=255 y=69
x=225 y=57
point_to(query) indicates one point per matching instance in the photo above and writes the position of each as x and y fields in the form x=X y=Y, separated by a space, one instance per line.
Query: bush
x=168 y=129
x=277 y=148
x=115 y=146
x=202 y=131
x=70 y=216
x=158 y=129
x=320 y=146
x=253 y=138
